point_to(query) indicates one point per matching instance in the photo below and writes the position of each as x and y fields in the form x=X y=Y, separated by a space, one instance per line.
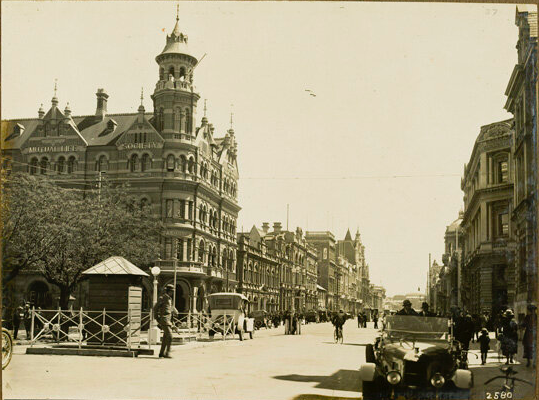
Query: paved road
x=271 y=366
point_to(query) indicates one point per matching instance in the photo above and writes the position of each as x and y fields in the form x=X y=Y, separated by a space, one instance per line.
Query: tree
x=62 y=232
x=28 y=206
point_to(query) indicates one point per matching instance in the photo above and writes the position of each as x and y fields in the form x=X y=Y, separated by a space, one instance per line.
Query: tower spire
x=54 y=100
x=205 y=109
x=141 y=96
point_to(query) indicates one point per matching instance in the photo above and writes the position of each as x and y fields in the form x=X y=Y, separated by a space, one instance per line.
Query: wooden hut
x=114 y=302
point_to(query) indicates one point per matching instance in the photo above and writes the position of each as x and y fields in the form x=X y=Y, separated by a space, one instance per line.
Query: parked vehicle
x=261 y=318
x=312 y=316
x=7 y=347
x=415 y=357
x=227 y=313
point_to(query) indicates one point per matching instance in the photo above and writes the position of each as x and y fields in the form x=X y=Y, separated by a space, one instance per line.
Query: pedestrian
x=359 y=320
x=407 y=308
x=528 y=340
x=18 y=316
x=484 y=341
x=425 y=310
x=510 y=336
x=164 y=310
x=27 y=317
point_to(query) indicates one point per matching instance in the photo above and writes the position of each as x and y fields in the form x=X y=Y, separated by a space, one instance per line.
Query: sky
x=401 y=93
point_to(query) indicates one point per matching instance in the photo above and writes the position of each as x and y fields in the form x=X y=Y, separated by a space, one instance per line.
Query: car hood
x=405 y=351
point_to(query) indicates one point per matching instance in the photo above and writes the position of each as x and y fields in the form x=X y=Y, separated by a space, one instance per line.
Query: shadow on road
x=347 y=344
x=343 y=379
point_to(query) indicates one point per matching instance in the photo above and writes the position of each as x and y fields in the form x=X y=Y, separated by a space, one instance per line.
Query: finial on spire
x=141 y=95
x=178 y=11
x=55 y=86
x=231 y=117
x=205 y=109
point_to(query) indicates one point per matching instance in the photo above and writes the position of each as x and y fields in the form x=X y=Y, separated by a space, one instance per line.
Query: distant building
x=325 y=245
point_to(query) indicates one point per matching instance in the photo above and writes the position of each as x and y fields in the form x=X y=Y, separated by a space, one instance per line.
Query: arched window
x=145 y=162
x=182 y=74
x=201 y=252
x=134 y=163
x=46 y=130
x=160 y=120
x=102 y=164
x=188 y=127
x=214 y=257
x=170 y=162
x=177 y=119
x=33 y=166
x=191 y=165
x=44 y=165
x=60 y=165
x=171 y=72
x=161 y=73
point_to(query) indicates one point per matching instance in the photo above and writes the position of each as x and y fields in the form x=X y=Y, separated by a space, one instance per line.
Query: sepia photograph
x=239 y=200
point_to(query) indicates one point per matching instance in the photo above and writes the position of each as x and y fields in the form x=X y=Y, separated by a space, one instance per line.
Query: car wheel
x=7 y=347
x=369 y=353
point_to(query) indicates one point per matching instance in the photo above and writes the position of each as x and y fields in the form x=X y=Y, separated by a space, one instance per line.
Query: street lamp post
x=154 y=332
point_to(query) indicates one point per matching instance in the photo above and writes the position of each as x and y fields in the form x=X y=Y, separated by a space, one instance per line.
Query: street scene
x=318 y=200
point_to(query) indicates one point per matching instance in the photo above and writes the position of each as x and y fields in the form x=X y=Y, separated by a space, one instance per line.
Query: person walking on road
x=18 y=316
x=27 y=317
x=164 y=310
x=484 y=341
x=510 y=337
x=528 y=340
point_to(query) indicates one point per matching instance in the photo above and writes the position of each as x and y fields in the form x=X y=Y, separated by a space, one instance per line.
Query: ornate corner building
x=186 y=174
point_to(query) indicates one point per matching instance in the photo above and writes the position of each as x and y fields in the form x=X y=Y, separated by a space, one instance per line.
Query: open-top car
x=261 y=318
x=415 y=357
x=227 y=313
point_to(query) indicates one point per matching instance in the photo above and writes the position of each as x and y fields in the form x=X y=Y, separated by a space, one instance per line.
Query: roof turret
x=176 y=42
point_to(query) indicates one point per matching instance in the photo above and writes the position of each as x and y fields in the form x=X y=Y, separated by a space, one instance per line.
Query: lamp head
x=156 y=271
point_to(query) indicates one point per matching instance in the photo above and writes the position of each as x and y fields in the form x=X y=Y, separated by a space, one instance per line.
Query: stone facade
x=522 y=103
x=488 y=260
x=186 y=174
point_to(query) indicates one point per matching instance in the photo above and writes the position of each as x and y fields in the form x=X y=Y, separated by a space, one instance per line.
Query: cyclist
x=338 y=321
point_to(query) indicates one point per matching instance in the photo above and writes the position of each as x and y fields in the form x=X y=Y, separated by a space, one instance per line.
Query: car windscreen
x=416 y=328
x=223 y=302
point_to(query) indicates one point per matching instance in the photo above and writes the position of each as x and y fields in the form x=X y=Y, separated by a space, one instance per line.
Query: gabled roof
x=115 y=266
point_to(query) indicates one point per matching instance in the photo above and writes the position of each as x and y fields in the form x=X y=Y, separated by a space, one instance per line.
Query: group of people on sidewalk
x=22 y=314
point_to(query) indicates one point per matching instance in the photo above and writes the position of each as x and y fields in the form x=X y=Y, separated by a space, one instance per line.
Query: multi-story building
x=521 y=95
x=324 y=243
x=187 y=175
x=488 y=261
x=378 y=297
x=296 y=258
x=353 y=251
x=259 y=277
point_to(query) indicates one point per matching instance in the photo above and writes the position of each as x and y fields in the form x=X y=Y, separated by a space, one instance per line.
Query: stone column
x=194 y=292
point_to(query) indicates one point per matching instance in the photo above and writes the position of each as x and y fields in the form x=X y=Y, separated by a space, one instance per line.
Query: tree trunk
x=65 y=292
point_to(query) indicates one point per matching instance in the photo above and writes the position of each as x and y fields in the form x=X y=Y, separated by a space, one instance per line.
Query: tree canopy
x=62 y=232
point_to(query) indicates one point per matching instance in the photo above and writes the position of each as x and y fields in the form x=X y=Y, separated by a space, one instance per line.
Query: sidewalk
x=483 y=373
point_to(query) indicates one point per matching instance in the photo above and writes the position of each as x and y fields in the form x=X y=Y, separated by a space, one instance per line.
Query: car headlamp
x=393 y=377
x=437 y=380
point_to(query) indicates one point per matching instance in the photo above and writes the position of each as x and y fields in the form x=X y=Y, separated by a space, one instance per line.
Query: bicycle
x=337 y=335
x=509 y=379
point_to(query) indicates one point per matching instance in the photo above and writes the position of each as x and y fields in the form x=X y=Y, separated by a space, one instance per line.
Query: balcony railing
x=182 y=267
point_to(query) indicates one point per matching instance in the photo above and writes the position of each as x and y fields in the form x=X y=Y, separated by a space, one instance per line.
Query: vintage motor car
x=415 y=357
x=261 y=318
x=227 y=314
x=7 y=347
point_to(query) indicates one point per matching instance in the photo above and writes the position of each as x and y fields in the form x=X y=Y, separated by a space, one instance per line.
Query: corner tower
x=174 y=100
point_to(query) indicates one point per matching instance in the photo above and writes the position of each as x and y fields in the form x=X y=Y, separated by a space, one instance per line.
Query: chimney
x=277 y=227
x=101 y=109
x=265 y=227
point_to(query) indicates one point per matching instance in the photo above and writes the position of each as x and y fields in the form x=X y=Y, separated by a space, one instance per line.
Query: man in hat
x=425 y=310
x=163 y=311
x=407 y=308
x=528 y=340
x=510 y=336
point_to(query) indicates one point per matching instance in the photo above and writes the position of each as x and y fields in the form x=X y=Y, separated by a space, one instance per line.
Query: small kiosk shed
x=114 y=302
